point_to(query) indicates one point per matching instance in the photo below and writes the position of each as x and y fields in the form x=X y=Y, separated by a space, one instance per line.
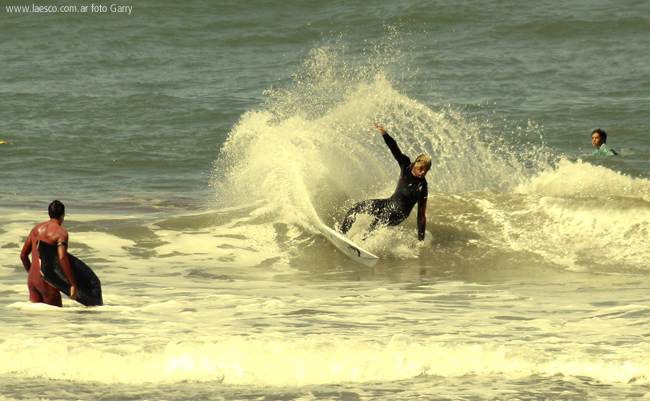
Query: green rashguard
x=604 y=150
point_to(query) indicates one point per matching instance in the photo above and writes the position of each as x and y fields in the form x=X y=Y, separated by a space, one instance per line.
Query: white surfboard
x=352 y=250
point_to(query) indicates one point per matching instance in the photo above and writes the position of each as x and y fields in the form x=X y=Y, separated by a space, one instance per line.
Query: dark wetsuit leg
x=371 y=207
x=384 y=212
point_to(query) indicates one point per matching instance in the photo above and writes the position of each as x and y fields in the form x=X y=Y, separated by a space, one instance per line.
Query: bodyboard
x=88 y=286
x=349 y=248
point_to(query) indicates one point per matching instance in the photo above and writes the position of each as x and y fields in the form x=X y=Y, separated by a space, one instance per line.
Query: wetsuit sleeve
x=401 y=158
x=422 y=215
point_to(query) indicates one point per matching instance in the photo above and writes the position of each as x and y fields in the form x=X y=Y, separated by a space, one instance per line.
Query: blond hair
x=422 y=160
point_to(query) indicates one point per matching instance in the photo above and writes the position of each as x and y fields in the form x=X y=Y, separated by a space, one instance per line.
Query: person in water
x=411 y=189
x=598 y=141
x=52 y=233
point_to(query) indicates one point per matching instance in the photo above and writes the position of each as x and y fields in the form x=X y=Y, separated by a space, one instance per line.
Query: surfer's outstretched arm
x=392 y=145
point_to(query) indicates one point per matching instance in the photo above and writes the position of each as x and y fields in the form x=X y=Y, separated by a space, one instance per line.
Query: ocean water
x=197 y=145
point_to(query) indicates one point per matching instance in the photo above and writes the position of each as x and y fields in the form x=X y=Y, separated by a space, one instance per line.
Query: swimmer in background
x=598 y=141
x=411 y=189
x=52 y=233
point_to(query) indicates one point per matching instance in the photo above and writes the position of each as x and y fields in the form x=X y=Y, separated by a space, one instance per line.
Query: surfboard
x=349 y=248
x=89 y=287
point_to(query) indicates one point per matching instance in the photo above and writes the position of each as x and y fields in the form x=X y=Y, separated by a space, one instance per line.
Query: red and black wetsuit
x=394 y=210
x=52 y=233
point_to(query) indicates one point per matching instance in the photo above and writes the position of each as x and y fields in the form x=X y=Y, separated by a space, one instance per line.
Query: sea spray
x=312 y=150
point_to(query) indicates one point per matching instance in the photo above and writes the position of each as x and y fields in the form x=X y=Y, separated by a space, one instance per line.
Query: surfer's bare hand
x=73 y=293
x=380 y=128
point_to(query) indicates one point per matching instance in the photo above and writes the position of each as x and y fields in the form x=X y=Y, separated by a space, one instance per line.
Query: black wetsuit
x=394 y=210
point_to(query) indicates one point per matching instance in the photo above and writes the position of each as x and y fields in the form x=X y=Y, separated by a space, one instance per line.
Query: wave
x=312 y=149
x=311 y=152
x=587 y=217
x=579 y=179
x=276 y=362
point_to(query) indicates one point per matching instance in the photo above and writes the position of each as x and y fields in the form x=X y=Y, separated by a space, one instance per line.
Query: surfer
x=52 y=233
x=598 y=141
x=411 y=189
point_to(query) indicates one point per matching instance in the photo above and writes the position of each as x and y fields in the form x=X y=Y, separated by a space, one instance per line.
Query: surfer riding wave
x=411 y=189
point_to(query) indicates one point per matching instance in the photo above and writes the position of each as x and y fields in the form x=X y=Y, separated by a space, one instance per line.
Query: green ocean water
x=120 y=103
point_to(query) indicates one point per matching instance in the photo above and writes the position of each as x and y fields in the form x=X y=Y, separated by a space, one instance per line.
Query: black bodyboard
x=89 y=287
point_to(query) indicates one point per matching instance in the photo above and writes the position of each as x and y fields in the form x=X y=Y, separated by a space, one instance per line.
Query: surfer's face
x=596 y=141
x=419 y=171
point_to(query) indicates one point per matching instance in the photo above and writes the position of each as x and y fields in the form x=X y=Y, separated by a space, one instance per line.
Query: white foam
x=579 y=179
x=278 y=362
